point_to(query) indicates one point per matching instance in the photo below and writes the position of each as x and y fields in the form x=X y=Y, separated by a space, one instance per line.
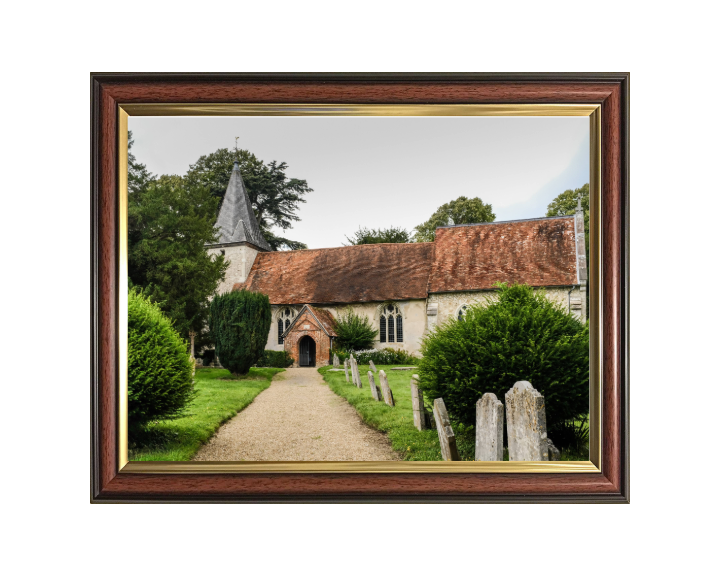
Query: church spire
x=237 y=220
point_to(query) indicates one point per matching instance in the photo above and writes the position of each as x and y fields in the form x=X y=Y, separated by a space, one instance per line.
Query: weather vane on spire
x=236 y=139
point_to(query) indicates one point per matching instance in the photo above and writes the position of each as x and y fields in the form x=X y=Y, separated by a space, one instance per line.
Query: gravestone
x=489 y=428
x=355 y=372
x=372 y=366
x=347 y=379
x=526 y=428
x=373 y=387
x=336 y=361
x=386 y=392
x=417 y=404
x=404 y=368
x=448 y=447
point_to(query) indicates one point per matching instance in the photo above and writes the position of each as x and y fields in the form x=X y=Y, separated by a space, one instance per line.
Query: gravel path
x=297 y=418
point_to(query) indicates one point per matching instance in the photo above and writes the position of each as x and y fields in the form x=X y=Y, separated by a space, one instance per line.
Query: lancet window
x=391 y=324
x=284 y=318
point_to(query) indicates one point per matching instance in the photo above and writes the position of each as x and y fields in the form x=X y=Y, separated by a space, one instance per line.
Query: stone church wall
x=241 y=259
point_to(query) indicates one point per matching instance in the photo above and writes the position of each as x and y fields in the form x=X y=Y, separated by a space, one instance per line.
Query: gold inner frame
x=592 y=111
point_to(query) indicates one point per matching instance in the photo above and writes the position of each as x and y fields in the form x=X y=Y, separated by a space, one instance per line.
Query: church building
x=405 y=290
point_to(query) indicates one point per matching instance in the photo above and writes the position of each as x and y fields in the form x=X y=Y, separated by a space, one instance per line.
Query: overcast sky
x=386 y=171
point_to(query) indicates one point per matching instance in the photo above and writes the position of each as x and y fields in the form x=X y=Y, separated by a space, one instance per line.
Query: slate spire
x=237 y=220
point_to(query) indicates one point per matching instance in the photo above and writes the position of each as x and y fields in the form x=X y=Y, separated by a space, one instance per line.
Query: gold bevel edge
x=358 y=467
x=593 y=111
x=180 y=109
x=123 y=288
x=595 y=293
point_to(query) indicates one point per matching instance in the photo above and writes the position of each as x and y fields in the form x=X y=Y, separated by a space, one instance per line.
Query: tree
x=462 y=210
x=392 y=235
x=565 y=204
x=160 y=383
x=240 y=324
x=519 y=335
x=169 y=223
x=275 y=197
x=354 y=332
x=138 y=175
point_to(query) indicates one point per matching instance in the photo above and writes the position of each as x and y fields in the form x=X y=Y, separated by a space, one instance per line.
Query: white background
x=48 y=50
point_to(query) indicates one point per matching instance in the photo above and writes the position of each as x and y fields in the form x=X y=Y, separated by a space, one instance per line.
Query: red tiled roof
x=365 y=273
x=537 y=252
x=325 y=318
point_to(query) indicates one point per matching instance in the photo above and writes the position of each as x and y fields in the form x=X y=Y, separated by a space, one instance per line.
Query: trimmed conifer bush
x=354 y=332
x=160 y=377
x=519 y=335
x=240 y=324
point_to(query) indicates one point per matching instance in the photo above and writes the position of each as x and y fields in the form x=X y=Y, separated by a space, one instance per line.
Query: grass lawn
x=220 y=397
x=397 y=422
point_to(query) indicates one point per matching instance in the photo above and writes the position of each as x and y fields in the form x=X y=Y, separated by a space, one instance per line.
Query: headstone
x=448 y=447
x=417 y=403
x=347 y=379
x=404 y=368
x=386 y=392
x=553 y=452
x=489 y=428
x=373 y=387
x=526 y=428
x=336 y=361
x=198 y=362
x=372 y=366
x=355 y=372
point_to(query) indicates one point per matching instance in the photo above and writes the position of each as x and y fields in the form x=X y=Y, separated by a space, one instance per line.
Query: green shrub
x=275 y=359
x=354 y=332
x=519 y=335
x=379 y=356
x=239 y=324
x=160 y=381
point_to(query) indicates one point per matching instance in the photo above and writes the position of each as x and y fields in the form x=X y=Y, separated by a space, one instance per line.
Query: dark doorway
x=307 y=351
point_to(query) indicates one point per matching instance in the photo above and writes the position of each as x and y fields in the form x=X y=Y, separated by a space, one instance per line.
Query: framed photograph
x=360 y=287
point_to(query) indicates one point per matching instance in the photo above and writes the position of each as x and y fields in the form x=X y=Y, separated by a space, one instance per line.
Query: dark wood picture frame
x=610 y=90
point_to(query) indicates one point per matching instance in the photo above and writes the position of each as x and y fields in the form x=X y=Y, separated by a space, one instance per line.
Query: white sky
x=386 y=171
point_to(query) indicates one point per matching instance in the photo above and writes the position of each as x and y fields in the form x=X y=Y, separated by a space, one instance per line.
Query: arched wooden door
x=307 y=351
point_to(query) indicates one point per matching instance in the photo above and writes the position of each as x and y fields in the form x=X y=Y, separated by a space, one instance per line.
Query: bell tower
x=240 y=236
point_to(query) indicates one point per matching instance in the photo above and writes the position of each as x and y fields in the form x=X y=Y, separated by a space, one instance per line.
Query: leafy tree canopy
x=138 y=175
x=169 y=223
x=462 y=210
x=275 y=197
x=566 y=203
x=392 y=235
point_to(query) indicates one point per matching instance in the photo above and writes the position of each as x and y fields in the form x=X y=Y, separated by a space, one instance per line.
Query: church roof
x=237 y=220
x=538 y=252
x=466 y=257
x=365 y=273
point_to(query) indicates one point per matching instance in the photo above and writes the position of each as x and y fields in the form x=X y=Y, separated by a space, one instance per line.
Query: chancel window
x=283 y=322
x=462 y=312
x=391 y=324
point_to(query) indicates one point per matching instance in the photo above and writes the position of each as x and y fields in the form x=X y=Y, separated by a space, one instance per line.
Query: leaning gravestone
x=527 y=433
x=553 y=452
x=417 y=403
x=386 y=392
x=489 y=428
x=373 y=387
x=355 y=372
x=336 y=361
x=448 y=447
x=347 y=379
x=372 y=366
